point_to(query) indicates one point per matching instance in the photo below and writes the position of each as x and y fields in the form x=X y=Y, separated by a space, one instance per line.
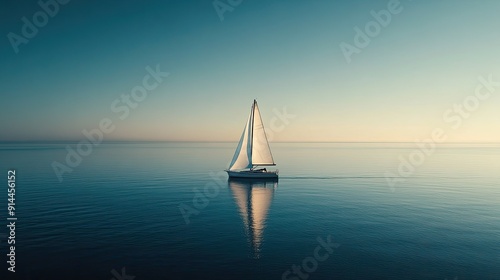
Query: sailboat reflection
x=253 y=199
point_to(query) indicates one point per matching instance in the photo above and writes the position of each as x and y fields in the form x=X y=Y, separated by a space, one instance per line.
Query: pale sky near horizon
x=283 y=53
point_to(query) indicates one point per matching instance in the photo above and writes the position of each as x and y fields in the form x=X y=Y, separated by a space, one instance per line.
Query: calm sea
x=118 y=214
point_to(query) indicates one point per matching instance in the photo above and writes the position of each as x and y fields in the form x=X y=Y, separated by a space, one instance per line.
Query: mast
x=252 y=118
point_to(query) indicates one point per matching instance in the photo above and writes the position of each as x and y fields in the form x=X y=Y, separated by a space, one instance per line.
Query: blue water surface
x=120 y=212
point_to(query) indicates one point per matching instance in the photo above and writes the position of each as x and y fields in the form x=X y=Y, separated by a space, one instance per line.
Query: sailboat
x=253 y=150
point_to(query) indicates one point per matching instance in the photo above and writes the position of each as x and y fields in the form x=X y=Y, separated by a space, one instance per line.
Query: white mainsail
x=261 y=153
x=253 y=148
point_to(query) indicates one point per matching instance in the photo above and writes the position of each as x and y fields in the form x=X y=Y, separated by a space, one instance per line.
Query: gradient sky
x=284 y=53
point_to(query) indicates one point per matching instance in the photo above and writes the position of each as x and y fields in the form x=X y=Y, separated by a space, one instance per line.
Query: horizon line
x=206 y=141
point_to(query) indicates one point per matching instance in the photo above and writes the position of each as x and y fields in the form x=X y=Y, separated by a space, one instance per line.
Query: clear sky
x=283 y=53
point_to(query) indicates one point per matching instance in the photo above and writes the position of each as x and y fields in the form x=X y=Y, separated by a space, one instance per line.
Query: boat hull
x=252 y=174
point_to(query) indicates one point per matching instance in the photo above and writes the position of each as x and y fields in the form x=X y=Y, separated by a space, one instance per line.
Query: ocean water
x=118 y=214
